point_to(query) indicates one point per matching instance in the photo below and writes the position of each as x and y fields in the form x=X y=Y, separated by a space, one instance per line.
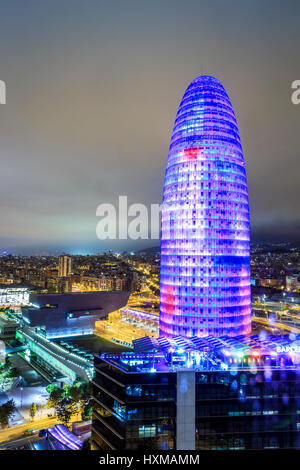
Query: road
x=19 y=444
x=16 y=433
x=272 y=325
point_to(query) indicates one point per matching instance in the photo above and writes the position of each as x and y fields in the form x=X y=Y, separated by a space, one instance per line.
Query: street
x=9 y=436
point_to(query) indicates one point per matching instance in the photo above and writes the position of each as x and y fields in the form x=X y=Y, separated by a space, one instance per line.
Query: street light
x=21 y=390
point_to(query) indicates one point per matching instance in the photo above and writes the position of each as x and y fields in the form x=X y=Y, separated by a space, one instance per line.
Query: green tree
x=75 y=392
x=32 y=411
x=6 y=412
x=65 y=409
x=7 y=364
x=72 y=399
x=13 y=372
x=86 y=400
x=56 y=395
x=66 y=390
x=50 y=388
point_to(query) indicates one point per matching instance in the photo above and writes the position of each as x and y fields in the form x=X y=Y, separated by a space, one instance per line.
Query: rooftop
x=209 y=354
x=6 y=321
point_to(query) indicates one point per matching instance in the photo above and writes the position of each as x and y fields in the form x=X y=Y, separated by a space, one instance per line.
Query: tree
x=13 y=372
x=32 y=411
x=55 y=396
x=7 y=364
x=70 y=400
x=6 y=412
x=75 y=393
x=65 y=409
x=50 y=388
x=86 y=400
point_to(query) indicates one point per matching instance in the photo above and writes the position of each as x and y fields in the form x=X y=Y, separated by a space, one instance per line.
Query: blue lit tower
x=205 y=236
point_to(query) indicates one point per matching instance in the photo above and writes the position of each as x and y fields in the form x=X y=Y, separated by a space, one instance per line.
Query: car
x=30 y=432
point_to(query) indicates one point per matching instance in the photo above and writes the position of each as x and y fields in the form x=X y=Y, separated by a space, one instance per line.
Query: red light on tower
x=192 y=153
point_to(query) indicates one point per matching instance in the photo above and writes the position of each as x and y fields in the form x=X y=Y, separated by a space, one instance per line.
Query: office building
x=199 y=394
x=71 y=314
x=64 y=265
x=205 y=383
x=205 y=235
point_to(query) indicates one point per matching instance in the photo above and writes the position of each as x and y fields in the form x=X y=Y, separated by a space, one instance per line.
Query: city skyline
x=88 y=116
x=150 y=229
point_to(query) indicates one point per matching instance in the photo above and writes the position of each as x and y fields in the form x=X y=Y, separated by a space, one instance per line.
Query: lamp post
x=21 y=397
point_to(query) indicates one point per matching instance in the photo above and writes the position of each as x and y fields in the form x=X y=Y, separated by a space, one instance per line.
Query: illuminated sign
x=288 y=349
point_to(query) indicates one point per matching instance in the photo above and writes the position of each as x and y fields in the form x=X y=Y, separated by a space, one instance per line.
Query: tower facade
x=205 y=235
x=64 y=265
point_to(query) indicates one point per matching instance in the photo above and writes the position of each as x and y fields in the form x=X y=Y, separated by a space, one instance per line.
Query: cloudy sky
x=92 y=92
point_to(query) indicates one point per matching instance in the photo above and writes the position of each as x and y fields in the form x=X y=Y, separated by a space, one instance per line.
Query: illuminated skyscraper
x=205 y=237
x=64 y=265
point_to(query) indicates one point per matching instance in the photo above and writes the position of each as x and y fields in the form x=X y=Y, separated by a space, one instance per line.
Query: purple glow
x=205 y=236
x=65 y=437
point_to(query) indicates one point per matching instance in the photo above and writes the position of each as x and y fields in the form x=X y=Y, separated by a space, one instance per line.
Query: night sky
x=93 y=88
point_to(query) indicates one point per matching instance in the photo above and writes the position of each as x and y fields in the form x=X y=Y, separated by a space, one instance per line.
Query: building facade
x=71 y=314
x=204 y=396
x=205 y=235
x=204 y=383
x=293 y=283
x=64 y=265
x=8 y=327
